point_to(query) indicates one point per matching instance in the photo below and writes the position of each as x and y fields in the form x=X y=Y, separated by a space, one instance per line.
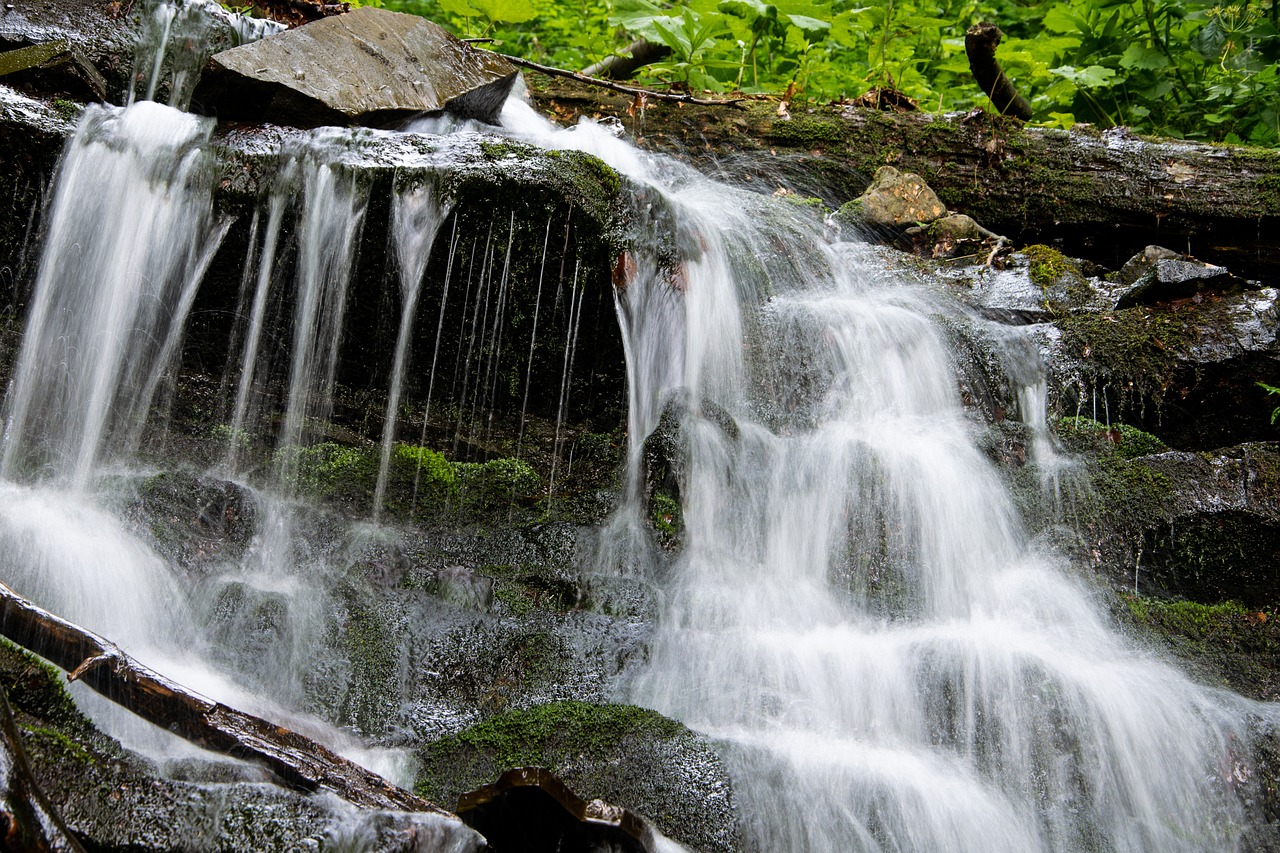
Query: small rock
x=1135 y=267
x=1154 y=276
x=894 y=199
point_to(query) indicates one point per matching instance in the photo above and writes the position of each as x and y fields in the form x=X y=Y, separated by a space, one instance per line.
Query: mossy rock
x=622 y=754
x=1225 y=643
x=195 y=519
x=1085 y=435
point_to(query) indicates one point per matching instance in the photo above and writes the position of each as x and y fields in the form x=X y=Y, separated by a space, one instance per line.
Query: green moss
x=1046 y=265
x=1129 y=490
x=1137 y=348
x=667 y=517
x=57 y=742
x=548 y=735
x=374 y=689
x=38 y=689
x=1121 y=439
x=484 y=486
x=806 y=132
x=1223 y=643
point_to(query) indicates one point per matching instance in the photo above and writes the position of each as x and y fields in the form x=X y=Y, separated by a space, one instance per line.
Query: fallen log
x=1097 y=195
x=295 y=760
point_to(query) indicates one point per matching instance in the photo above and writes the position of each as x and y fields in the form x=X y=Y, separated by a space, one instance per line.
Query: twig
x=618 y=87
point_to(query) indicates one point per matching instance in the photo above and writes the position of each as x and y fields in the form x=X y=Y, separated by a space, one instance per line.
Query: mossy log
x=296 y=760
x=1097 y=195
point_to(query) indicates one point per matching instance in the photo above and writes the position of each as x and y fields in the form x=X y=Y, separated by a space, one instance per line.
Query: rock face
x=370 y=67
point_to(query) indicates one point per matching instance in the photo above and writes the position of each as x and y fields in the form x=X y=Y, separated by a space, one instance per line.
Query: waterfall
x=130 y=232
x=857 y=616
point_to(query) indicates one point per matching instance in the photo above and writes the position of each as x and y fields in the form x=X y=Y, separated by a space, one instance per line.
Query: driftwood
x=27 y=821
x=296 y=760
x=1097 y=195
x=980 y=42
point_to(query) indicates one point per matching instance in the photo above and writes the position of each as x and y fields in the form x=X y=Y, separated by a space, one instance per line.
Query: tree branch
x=633 y=57
x=618 y=87
x=296 y=760
x=980 y=43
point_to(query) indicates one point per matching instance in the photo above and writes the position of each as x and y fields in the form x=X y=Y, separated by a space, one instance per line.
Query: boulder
x=371 y=67
x=1160 y=275
x=630 y=757
x=894 y=200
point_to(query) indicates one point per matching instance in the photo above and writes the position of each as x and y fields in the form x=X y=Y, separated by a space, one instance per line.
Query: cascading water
x=857 y=616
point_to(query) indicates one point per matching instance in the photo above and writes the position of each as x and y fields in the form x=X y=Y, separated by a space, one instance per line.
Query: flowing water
x=857 y=617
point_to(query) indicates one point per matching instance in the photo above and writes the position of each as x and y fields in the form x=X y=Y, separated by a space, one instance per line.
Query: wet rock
x=371 y=67
x=628 y=756
x=894 y=200
x=98 y=33
x=53 y=67
x=196 y=519
x=1185 y=371
x=1203 y=527
x=1158 y=275
x=529 y=810
x=1141 y=263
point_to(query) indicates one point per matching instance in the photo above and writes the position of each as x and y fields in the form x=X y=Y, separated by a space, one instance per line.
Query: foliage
x=1189 y=68
x=1271 y=389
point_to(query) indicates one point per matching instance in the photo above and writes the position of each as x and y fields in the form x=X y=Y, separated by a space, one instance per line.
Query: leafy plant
x=1183 y=68
x=1271 y=389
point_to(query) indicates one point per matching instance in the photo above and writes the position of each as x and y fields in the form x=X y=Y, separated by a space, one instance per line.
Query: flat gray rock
x=370 y=66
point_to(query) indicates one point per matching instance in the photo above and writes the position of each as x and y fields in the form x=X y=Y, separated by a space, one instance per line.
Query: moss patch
x=1226 y=643
x=1087 y=435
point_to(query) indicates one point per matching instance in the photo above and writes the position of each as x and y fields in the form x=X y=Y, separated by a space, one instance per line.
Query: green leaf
x=507 y=11
x=749 y=10
x=1060 y=19
x=811 y=27
x=1091 y=77
x=459 y=7
x=1139 y=56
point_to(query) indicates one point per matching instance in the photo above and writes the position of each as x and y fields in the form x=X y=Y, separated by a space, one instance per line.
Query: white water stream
x=857 y=617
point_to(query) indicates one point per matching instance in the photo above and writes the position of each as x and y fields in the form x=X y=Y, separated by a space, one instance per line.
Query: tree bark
x=296 y=760
x=980 y=42
x=1097 y=195
x=623 y=66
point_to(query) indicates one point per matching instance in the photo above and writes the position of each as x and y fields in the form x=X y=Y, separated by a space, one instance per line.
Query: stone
x=370 y=66
x=1135 y=267
x=1153 y=276
x=894 y=200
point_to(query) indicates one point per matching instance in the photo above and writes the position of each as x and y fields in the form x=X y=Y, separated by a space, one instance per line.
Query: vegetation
x=1271 y=389
x=1192 y=68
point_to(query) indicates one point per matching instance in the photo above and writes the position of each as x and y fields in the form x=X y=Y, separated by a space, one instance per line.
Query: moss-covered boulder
x=1204 y=527
x=194 y=519
x=625 y=755
x=1185 y=372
